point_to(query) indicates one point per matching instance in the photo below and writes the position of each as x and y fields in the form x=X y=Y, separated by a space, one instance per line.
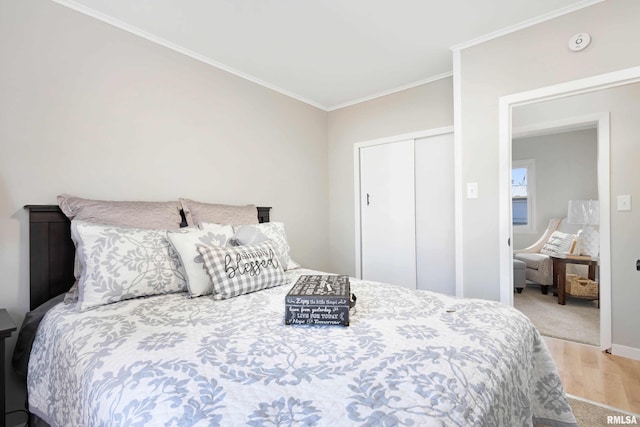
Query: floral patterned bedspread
x=407 y=358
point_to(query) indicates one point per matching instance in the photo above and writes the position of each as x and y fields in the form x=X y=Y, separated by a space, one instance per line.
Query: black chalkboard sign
x=319 y=300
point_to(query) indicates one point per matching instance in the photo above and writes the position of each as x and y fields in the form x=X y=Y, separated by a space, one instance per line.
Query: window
x=523 y=195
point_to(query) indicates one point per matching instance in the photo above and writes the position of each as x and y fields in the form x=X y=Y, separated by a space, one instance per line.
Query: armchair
x=539 y=266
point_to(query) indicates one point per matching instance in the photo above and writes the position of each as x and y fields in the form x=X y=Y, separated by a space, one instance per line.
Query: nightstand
x=6 y=328
x=560 y=273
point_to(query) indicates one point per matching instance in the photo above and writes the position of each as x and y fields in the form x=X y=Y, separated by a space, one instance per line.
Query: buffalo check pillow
x=237 y=270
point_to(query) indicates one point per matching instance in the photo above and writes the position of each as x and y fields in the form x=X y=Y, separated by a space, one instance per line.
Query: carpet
x=593 y=414
x=577 y=321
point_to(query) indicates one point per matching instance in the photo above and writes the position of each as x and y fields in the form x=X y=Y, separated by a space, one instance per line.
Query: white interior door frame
x=506 y=104
x=356 y=178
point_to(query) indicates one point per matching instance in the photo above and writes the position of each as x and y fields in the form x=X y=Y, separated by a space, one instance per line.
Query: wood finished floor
x=594 y=375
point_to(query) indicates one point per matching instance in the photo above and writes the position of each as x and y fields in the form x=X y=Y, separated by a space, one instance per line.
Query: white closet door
x=435 y=215
x=387 y=207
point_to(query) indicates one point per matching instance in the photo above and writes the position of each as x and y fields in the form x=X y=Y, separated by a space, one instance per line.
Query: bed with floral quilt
x=122 y=354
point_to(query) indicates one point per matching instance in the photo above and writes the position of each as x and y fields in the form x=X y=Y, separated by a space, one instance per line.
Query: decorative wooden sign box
x=319 y=300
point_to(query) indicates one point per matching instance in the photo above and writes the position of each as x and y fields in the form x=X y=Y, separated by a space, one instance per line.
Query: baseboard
x=628 y=352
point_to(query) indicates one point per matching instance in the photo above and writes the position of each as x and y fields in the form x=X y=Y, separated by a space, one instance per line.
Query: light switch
x=624 y=203
x=472 y=190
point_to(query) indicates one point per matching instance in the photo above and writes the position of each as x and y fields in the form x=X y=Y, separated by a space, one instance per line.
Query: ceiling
x=328 y=53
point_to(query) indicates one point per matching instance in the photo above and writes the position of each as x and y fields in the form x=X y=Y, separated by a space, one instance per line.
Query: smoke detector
x=579 y=42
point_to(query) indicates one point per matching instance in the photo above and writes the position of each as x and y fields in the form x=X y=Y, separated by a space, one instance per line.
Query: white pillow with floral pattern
x=119 y=263
x=185 y=242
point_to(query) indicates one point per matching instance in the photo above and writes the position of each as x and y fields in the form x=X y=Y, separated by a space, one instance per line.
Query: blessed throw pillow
x=121 y=263
x=558 y=243
x=237 y=270
x=274 y=231
x=185 y=243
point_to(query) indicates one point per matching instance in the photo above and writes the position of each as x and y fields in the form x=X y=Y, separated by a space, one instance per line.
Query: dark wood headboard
x=52 y=253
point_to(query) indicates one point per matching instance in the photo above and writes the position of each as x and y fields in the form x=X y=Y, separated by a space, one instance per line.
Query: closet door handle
x=367 y=199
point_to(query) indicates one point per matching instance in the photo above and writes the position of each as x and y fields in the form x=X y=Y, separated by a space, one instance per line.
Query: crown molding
x=392 y=91
x=180 y=49
x=71 y=4
x=525 y=24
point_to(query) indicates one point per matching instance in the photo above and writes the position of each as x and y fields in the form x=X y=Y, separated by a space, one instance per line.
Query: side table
x=6 y=328
x=560 y=272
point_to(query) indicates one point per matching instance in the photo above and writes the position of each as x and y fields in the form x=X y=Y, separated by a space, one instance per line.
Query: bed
x=407 y=358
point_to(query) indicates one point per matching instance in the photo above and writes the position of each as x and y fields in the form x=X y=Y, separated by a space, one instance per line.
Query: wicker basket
x=569 y=278
x=581 y=286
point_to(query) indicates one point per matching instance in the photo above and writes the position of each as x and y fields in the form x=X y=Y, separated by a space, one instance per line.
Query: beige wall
x=424 y=107
x=529 y=59
x=565 y=169
x=91 y=110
